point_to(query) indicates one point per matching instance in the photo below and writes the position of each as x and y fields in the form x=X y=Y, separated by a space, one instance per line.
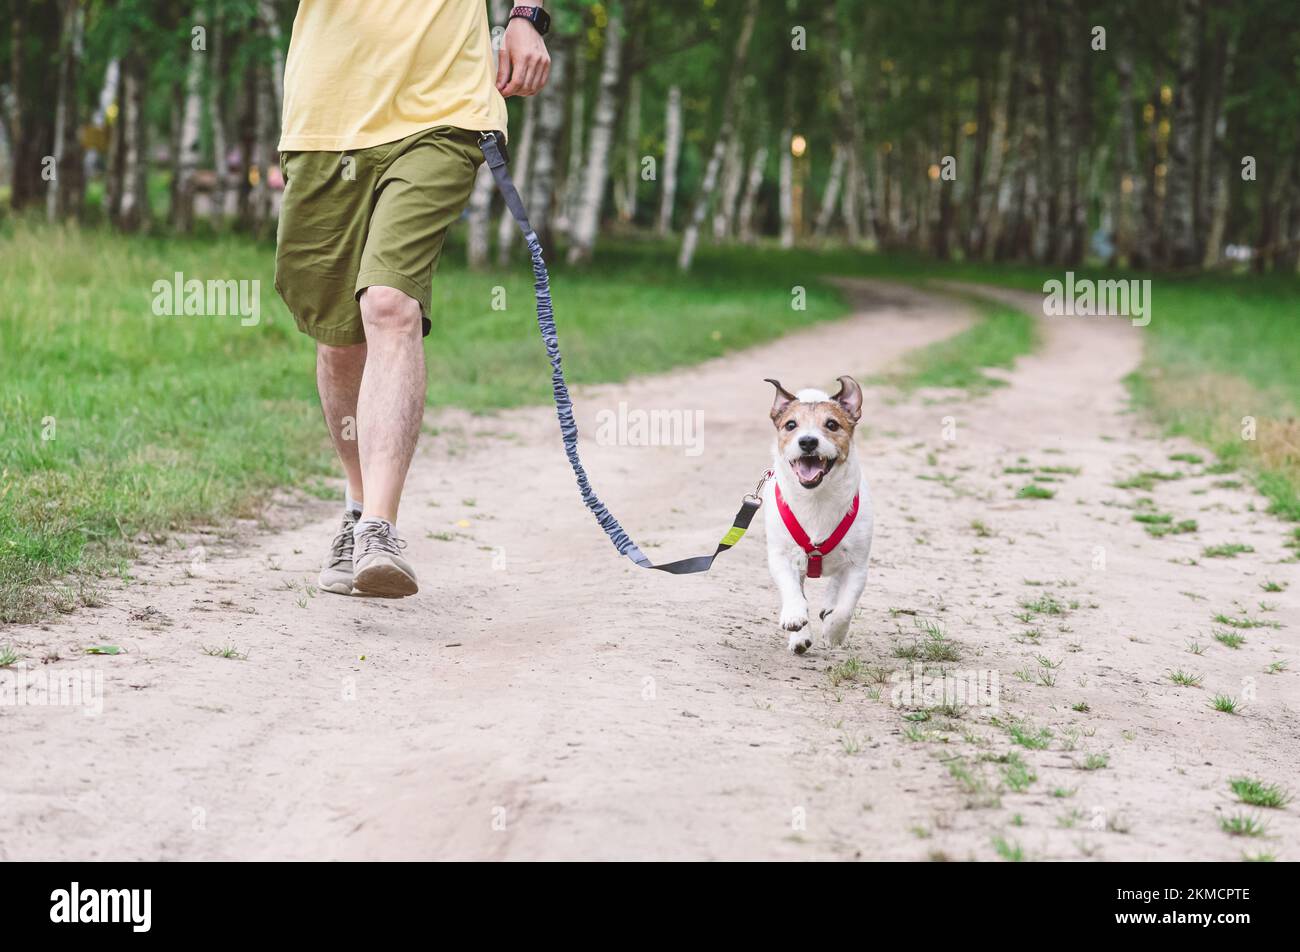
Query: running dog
x=818 y=510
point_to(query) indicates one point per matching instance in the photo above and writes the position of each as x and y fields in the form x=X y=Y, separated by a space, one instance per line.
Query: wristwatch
x=538 y=17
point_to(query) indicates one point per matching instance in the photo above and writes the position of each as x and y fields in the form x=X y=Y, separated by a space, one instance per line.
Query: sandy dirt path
x=542 y=697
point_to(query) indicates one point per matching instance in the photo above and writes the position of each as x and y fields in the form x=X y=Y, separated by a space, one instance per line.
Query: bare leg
x=391 y=403
x=338 y=380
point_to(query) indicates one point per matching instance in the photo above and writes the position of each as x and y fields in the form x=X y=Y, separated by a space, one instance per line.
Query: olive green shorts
x=374 y=216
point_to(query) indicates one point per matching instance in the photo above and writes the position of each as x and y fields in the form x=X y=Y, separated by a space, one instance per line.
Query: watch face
x=535 y=15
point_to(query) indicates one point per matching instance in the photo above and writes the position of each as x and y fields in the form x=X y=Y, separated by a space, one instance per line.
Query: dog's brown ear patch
x=783 y=398
x=849 y=397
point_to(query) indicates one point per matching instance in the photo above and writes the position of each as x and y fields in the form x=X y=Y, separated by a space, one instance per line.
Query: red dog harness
x=815 y=552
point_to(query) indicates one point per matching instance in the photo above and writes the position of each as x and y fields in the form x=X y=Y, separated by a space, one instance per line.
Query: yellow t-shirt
x=364 y=72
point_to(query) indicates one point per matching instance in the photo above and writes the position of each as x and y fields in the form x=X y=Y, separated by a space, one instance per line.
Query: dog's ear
x=783 y=398
x=849 y=396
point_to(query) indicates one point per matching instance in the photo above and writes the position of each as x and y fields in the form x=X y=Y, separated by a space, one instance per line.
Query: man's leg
x=338 y=380
x=391 y=405
x=420 y=193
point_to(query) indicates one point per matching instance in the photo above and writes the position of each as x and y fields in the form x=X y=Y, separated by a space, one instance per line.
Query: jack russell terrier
x=818 y=510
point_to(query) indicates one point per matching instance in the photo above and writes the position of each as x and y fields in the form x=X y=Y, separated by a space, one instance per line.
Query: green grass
x=1043 y=605
x=229 y=651
x=1182 y=527
x=1000 y=335
x=1027 y=735
x=1245 y=621
x=1146 y=480
x=161 y=423
x=1032 y=491
x=1229 y=639
x=1228 y=550
x=1009 y=850
x=1257 y=793
x=1228 y=351
x=1240 y=824
x=1017 y=775
x=1224 y=704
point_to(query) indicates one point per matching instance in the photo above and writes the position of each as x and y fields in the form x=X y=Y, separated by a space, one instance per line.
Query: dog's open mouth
x=811 y=470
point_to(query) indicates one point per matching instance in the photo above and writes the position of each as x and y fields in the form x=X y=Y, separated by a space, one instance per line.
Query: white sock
x=353 y=505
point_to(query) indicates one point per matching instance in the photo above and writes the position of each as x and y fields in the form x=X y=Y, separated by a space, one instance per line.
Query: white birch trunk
x=271 y=24
x=854 y=180
x=133 y=208
x=786 y=203
x=626 y=195
x=587 y=216
x=733 y=173
x=187 y=157
x=64 y=194
x=1180 y=236
x=749 y=201
x=550 y=126
x=831 y=197
x=672 y=153
x=577 y=129
x=217 y=116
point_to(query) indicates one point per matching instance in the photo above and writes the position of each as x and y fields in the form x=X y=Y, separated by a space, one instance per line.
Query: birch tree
x=726 y=130
x=596 y=174
x=1179 y=238
x=672 y=153
x=543 y=172
x=749 y=201
x=63 y=198
x=186 y=161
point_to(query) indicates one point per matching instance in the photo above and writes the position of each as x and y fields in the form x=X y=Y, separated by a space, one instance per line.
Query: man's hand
x=523 y=65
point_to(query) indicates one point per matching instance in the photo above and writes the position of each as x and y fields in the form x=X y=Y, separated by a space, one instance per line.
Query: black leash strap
x=564 y=404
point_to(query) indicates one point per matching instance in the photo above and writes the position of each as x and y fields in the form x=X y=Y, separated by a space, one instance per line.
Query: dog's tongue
x=808 y=468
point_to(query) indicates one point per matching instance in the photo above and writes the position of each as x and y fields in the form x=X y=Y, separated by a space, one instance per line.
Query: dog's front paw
x=800 y=643
x=836 y=627
x=794 y=619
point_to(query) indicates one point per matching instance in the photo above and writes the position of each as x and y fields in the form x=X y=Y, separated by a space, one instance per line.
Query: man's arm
x=523 y=65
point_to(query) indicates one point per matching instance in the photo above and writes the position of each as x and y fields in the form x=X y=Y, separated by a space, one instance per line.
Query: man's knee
x=386 y=310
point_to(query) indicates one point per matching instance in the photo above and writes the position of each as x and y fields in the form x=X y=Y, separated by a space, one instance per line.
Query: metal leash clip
x=757 y=494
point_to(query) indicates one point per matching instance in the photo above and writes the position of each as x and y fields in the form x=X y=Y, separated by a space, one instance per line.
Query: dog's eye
x=832 y=425
x=790 y=424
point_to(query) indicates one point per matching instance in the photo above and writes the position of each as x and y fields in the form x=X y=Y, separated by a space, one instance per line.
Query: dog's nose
x=808 y=444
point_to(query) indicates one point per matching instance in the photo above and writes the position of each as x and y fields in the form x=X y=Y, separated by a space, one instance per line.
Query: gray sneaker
x=336 y=573
x=378 y=567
